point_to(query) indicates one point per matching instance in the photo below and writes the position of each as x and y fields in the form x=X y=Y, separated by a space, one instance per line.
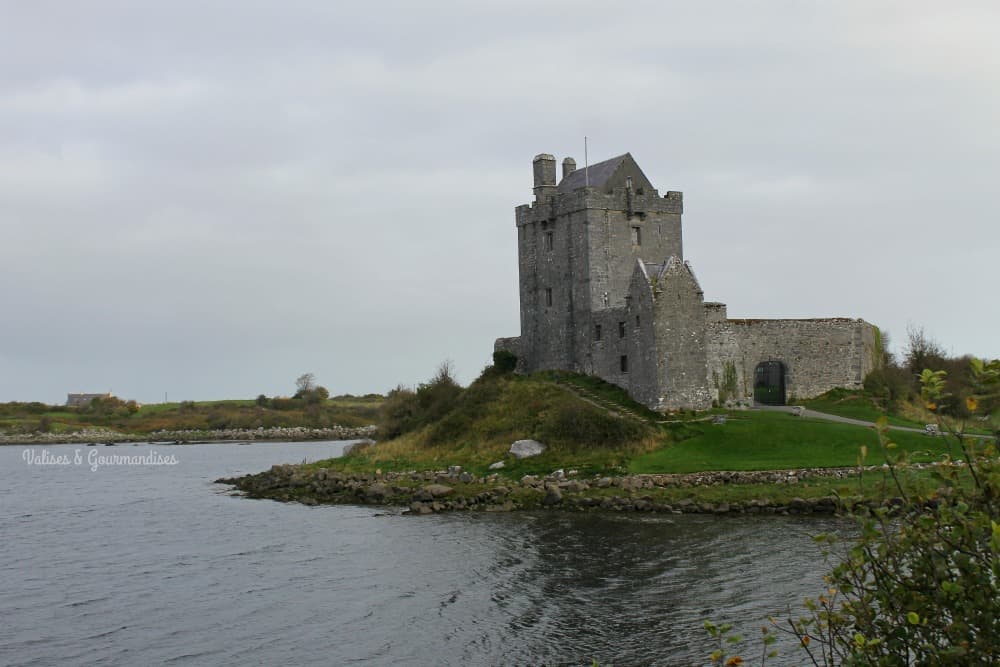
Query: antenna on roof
x=586 y=163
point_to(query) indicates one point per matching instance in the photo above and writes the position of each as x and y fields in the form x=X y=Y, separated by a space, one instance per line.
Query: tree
x=922 y=351
x=304 y=383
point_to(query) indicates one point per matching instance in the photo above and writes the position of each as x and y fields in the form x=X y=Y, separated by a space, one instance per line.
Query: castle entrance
x=769 y=383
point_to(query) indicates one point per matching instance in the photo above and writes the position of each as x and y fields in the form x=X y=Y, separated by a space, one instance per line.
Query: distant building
x=605 y=291
x=83 y=400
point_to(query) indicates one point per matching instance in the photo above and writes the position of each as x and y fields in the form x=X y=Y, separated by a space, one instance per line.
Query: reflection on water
x=149 y=565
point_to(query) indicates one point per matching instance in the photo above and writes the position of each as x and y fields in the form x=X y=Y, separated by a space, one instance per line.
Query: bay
x=156 y=564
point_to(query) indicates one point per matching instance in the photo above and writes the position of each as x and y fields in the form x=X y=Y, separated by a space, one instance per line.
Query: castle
x=605 y=291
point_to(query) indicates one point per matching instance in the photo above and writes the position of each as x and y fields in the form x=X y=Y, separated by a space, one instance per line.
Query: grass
x=493 y=412
x=774 y=441
x=604 y=391
x=856 y=405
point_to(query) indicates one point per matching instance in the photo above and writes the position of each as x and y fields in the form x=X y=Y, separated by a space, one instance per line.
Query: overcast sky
x=207 y=199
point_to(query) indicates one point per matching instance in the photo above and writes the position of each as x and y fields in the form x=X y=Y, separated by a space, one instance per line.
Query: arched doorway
x=769 y=383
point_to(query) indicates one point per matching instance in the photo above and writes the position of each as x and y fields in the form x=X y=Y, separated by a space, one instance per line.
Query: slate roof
x=598 y=174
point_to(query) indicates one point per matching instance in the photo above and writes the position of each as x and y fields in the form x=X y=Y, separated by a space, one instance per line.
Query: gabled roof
x=654 y=272
x=598 y=174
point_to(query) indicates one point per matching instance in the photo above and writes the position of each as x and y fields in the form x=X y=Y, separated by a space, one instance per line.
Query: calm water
x=144 y=565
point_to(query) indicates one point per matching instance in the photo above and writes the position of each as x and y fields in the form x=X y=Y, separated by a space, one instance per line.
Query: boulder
x=497 y=466
x=522 y=449
x=438 y=490
x=420 y=508
x=553 y=496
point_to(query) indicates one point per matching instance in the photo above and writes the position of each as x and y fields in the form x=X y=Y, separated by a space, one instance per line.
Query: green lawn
x=854 y=405
x=769 y=440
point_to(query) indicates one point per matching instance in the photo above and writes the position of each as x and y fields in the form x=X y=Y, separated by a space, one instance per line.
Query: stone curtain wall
x=819 y=354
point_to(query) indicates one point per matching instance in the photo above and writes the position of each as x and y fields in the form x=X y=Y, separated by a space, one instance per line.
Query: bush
x=504 y=361
x=397 y=414
x=889 y=386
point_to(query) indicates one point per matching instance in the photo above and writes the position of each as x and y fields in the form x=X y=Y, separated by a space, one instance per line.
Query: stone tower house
x=605 y=291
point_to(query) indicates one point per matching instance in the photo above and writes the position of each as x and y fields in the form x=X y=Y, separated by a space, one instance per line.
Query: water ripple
x=162 y=566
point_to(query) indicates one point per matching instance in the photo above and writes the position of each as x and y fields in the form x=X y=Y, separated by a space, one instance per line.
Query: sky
x=204 y=200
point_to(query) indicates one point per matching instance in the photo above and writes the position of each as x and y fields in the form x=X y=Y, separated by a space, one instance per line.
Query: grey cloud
x=212 y=198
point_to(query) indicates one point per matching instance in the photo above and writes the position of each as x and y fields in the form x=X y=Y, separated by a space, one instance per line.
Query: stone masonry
x=605 y=291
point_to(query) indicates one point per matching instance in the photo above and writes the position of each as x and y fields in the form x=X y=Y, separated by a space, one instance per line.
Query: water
x=144 y=565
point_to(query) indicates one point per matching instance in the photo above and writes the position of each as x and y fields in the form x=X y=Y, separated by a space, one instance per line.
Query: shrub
x=398 y=413
x=504 y=361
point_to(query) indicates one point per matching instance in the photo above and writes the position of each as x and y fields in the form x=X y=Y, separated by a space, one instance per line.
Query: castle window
x=628 y=182
x=597 y=332
x=636 y=236
x=548 y=296
x=621 y=329
x=548 y=240
x=636 y=321
x=623 y=363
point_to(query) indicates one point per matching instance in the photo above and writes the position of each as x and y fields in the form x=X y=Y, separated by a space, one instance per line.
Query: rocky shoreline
x=278 y=433
x=457 y=490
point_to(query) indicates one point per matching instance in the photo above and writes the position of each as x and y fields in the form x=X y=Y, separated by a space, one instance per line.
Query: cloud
x=210 y=199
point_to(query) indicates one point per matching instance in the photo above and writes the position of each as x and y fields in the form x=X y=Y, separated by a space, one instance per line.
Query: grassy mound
x=479 y=424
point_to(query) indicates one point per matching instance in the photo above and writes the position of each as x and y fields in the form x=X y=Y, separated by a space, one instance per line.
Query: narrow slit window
x=636 y=321
x=623 y=363
x=621 y=329
x=597 y=332
x=548 y=241
x=548 y=296
x=636 y=236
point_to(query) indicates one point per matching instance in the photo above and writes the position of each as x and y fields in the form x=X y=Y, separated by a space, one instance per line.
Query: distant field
x=348 y=411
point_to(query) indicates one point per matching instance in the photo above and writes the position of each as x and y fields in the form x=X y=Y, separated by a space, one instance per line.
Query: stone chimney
x=569 y=166
x=545 y=176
